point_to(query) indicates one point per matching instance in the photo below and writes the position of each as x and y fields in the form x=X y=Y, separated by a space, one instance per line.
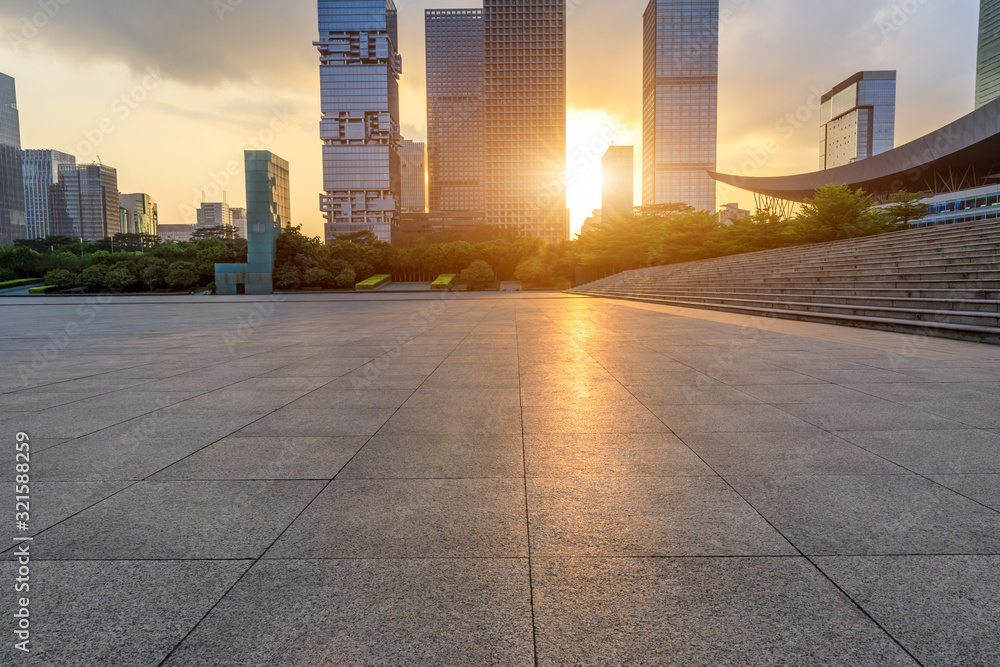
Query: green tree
x=319 y=278
x=478 y=275
x=61 y=278
x=835 y=213
x=153 y=275
x=182 y=276
x=363 y=271
x=905 y=207
x=227 y=232
x=119 y=279
x=347 y=278
x=761 y=231
x=287 y=278
x=94 y=276
x=534 y=272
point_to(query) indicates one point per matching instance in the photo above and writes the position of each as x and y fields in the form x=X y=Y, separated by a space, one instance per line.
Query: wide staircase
x=935 y=281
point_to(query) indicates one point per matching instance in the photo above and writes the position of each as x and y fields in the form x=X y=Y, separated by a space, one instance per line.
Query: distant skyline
x=171 y=95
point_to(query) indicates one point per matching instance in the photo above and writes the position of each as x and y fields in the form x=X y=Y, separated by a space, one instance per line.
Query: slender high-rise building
x=414 y=169
x=41 y=174
x=680 y=102
x=359 y=80
x=618 y=182
x=13 y=224
x=86 y=203
x=455 y=109
x=988 y=62
x=269 y=211
x=525 y=85
x=858 y=119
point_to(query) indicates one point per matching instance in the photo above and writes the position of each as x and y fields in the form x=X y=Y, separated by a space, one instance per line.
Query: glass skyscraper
x=988 y=64
x=858 y=119
x=414 y=169
x=13 y=224
x=525 y=102
x=680 y=102
x=86 y=202
x=141 y=216
x=455 y=109
x=41 y=174
x=269 y=210
x=618 y=182
x=359 y=80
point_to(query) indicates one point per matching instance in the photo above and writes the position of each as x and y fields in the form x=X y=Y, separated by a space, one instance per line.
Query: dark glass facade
x=988 y=61
x=359 y=76
x=414 y=169
x=13 y=223
x=618 y=182
x=41 y=174
x=86 y=202
x=858 y=119
x=455 y=109
x=525 y=128
x=680 y=102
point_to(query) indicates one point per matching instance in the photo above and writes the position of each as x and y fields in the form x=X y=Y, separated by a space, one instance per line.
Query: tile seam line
x=815 y=566
x=527 y=510
x=253 y=562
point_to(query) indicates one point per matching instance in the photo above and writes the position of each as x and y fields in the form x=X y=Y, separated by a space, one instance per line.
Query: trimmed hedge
x=373 y=283
x=11 y=284
x=43 y=290
x=444 y=282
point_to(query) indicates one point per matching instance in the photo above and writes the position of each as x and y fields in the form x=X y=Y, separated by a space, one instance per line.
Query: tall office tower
x=359 y=78
x=857 y=119
x=680 y=92
x=41 y=174
x=414 y=170
x=455 y=109
x=618 y=182
x=239 y=218
x=13 y=224
x=214 y=214
x=140 y=214
x=988 y=62
x=269 y=210
x=525 y=79
x=85 y=202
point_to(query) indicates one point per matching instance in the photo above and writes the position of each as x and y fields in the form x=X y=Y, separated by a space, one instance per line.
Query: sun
x=589 y=134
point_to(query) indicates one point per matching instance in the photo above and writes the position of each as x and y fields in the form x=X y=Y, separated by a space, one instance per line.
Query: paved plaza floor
x=522 y=480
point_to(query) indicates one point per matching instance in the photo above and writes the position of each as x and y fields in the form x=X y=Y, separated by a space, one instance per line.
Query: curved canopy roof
x=961 y=155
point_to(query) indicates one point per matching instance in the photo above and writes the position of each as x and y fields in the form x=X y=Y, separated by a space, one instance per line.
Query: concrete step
x=943 y=295
x=919 y=303
x=938 y=329
x=916 y=314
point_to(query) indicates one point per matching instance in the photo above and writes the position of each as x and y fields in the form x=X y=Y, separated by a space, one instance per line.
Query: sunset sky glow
x=171 y=93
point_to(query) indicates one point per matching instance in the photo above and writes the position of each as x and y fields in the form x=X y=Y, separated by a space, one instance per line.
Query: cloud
x=201 y=42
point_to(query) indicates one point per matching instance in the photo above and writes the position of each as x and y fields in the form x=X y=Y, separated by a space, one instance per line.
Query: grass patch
x=44 y=290
x=373 y=283
x=11 y=284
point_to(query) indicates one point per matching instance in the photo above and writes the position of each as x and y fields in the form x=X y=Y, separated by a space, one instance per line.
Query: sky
x=170 y=92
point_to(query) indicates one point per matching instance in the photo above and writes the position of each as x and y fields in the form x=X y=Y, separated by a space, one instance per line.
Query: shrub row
x=373 y=283
x=444 y=282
